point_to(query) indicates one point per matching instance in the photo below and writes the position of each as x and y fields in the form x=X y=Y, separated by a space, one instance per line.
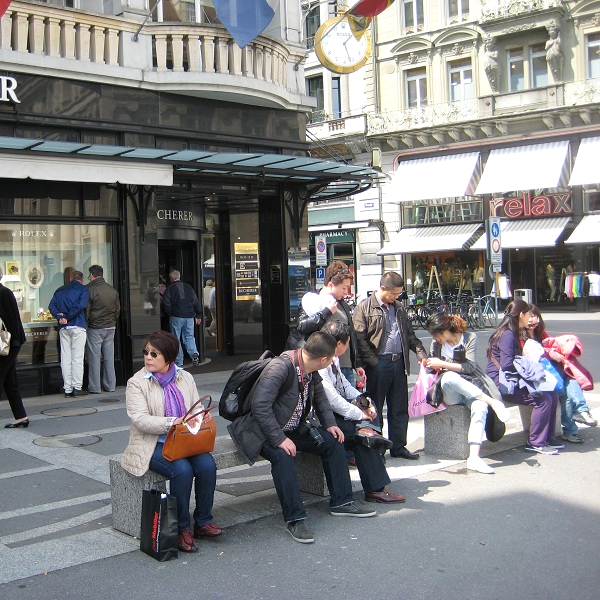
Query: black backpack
x=234 y=399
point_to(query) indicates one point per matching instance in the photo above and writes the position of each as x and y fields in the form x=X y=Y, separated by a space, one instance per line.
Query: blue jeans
x=183 y=330
x=100 y=352
x=458 y=390
x=350 y=375
x=387 y=383
x=571 y=401
x=285 y=476
x=181 y=474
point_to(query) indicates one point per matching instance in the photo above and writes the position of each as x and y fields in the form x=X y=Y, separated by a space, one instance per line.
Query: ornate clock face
x=338 y=50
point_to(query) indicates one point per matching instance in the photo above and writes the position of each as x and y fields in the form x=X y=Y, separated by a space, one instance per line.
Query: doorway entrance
x=182 y=256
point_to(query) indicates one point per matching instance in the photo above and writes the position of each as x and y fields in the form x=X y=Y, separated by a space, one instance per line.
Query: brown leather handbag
x=180 y=443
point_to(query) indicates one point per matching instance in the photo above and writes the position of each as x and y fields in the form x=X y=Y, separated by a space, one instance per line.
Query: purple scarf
x=174 y=404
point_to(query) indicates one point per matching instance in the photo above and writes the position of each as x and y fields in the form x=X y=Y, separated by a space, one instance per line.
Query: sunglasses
x=344 y=272
x=152 y=353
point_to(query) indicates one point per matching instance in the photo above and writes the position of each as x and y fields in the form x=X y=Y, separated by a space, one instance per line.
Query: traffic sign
x=494 y=241
x=320 y=250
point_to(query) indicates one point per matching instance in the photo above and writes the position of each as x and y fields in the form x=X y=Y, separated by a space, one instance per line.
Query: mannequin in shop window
x=551 y=281
x=478 y=281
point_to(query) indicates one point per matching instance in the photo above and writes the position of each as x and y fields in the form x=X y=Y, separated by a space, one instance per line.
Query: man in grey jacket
x=101 y=315
x=279 y=424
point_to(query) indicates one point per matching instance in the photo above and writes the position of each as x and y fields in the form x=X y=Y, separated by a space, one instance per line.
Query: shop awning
x=524 y=168
x=436 y=177
x=587 y=232
x=84 y=170
x=414 y=240
x=529 y=233
x=586 y=169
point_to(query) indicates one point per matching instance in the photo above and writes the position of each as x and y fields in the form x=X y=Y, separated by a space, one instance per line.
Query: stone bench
x=446 y=431
x=126 y=489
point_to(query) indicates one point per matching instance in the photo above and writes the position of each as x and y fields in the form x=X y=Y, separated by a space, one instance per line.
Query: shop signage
x=334 y=236
x=526 y=206
x=247 y=278
x=8 y=87
x=32 y=233
x=174 y=215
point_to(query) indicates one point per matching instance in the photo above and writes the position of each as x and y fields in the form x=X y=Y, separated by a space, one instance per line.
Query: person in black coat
x=279 y=423
x=9 y=313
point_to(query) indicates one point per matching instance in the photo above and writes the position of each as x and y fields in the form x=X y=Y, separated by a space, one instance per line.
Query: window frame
x=460 y=66
x=461 y=14
x=588 y=63
x=416 y=75
x=418 y=10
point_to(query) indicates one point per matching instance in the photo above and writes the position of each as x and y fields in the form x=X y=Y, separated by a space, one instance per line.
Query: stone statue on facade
x=491 y=64
x=554 y=54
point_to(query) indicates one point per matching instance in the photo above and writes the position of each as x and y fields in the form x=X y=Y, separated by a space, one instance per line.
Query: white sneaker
x=476 y=463
x=501 y=411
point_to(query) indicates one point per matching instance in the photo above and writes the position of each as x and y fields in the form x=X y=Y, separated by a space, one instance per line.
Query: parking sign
x=320 y=250
x=495 y=244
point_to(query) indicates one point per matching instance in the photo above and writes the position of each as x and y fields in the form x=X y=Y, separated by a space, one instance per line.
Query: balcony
x=196 y=59
x=423 y=117
x=504 y=9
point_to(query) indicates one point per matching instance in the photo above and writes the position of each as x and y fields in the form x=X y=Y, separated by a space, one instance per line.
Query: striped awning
x=414 y=240
x=527 y=233
x=587 y=232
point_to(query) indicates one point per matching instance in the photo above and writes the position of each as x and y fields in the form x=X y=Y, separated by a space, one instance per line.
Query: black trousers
x=10 y=384
x=369 y=462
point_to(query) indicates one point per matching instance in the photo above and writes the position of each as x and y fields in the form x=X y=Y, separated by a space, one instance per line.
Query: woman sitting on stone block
x=157 y=397
x=453 y=352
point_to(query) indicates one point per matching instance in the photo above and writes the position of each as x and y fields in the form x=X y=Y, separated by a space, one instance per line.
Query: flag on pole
x=3 y=6
x=362 y=13
x=244 y=19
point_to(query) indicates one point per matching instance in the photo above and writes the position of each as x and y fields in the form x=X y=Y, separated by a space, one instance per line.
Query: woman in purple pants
x=505 y=344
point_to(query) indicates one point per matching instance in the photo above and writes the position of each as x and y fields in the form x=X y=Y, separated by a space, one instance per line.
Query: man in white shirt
x=354 y=422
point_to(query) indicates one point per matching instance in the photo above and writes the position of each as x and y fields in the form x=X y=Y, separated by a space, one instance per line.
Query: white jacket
x=339 y=400
x=145 y=404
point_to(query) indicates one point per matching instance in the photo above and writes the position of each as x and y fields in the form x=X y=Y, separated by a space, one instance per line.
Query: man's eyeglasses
x=152 y=353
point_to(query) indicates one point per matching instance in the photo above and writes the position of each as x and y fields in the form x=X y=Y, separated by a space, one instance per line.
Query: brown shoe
x=208 y=530
x=385 y=497
x=186 y=541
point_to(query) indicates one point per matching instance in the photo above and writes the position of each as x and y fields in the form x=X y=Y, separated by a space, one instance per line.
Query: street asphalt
x=529 y=531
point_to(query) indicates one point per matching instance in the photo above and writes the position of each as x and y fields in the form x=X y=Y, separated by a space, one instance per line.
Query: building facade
x=490 y=109
x=481 y=109
x=142 y=138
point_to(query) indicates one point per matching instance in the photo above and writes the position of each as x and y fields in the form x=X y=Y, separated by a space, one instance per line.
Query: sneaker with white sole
x=501 y=411
x=574 y=438
x=300 y=532
x=478 y=464
x=554 y=443
x=585 y=419
x=351 y=510
x=195 y=360
x=548 y=450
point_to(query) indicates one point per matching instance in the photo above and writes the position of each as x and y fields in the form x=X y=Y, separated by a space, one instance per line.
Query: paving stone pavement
x=56 y=509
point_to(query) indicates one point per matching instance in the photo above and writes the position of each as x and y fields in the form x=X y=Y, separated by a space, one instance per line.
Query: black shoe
x=372 y=439
x=300 y=532
x=68 y=394
x=23 y=424
x=195 y=360
x=77 y=393
x=404 y=453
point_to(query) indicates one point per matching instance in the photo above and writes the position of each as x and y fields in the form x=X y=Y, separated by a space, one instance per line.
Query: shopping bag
x=159 y=533
x=417 y=405
x=4 y=339
x=550 y=368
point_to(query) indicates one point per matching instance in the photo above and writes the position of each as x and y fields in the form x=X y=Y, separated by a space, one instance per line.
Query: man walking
x=183 y=307
x=385 y=337
x=279 y=425
x=68 y=306
x=102 y=313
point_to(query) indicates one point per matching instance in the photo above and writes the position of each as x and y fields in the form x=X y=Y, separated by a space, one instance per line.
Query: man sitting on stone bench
x=281 y=422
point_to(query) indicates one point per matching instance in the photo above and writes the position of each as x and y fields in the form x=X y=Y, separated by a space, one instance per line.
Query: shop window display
x=38 y=258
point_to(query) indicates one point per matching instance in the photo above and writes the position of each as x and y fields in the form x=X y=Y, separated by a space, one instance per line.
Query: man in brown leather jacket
x=385 y=336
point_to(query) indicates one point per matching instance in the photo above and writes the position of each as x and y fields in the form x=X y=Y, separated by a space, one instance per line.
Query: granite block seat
x=126 y=489
x=446 y=431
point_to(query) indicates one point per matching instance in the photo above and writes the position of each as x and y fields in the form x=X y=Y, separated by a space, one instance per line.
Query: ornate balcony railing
x=425 y=116
x=499 y=9
x=46 y=37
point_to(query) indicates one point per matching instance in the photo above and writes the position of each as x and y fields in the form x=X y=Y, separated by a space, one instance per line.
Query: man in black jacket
x=181 y=303
x=279 y=424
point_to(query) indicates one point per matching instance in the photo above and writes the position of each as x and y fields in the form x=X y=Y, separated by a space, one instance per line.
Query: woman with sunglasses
x=157 y=397
x=505 y=344
x=453 y=352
